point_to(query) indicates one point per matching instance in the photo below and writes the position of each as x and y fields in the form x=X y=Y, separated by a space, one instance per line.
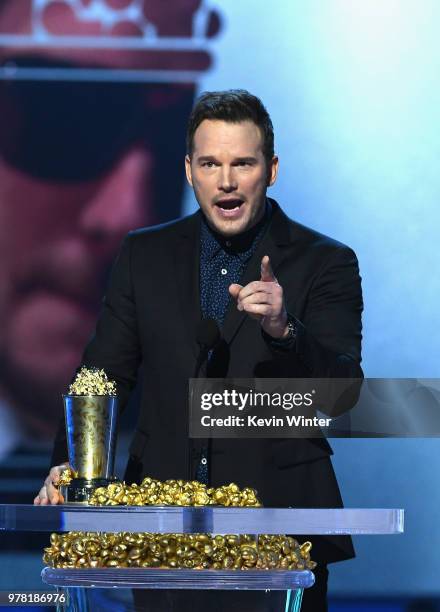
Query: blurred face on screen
x=229 y=174
x=76 y=174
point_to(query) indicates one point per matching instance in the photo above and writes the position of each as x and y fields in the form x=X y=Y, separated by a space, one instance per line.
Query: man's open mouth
x=230 y=204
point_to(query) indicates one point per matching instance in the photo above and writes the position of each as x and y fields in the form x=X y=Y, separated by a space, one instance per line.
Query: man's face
x=230 y=174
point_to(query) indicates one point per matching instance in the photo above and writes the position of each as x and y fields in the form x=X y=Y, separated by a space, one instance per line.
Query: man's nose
x=227 y=179
x=122 y=201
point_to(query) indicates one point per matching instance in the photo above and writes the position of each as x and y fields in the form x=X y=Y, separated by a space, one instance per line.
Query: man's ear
x=188 y=169
x=272 y=170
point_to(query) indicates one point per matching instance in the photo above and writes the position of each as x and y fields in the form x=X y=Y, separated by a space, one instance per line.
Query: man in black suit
x=287 y=300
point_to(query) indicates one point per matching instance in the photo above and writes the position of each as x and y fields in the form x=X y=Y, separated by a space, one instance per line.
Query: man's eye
x=208 y=164
x=243 y=163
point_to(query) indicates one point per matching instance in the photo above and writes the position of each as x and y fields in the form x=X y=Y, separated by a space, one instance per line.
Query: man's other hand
x=49 y=494
x=263 y=300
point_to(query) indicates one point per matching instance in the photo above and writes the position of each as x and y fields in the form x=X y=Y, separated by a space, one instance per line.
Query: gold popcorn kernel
x=130 y=538
x=120 y=549
x=113 y=489
x=305 y=548
x=191 y=554
x=81 y=562
x=219 y=540
x=202 y=537
x=285 y=547
x=47 y=558
x=208 y=549
x=78 y=547
x=155 y=562
x=182 y=551
x=134 y=553
x=219 y=496
x=201 y=498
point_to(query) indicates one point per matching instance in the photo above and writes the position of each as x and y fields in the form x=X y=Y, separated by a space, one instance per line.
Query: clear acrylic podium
x=84 y=587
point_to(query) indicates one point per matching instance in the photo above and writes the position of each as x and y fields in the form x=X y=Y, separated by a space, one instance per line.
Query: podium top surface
x=206 y=519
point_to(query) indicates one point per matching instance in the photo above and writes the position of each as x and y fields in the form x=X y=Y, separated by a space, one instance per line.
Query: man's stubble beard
x=229 y=230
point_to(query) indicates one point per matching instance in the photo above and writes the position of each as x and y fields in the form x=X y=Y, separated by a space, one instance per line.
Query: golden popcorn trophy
x=91 y=414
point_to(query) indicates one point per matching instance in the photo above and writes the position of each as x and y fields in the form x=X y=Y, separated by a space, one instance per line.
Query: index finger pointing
x=267 y=274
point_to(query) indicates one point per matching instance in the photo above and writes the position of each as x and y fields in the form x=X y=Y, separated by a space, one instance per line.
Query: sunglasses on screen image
x=74 y=131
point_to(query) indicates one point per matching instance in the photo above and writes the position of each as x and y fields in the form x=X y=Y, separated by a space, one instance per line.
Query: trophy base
x=80 y=490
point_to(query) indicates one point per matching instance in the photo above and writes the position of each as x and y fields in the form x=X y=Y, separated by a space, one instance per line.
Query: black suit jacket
x=149 y=320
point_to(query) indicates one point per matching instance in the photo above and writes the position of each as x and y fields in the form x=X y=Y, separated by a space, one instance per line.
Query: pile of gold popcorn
x=175 y=550
x=92 y=381
x=174 y=493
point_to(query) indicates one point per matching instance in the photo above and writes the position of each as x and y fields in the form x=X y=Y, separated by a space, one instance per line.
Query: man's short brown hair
x=233 y=106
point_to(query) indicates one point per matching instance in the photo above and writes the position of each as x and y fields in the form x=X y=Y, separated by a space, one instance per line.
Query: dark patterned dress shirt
x=223 y=261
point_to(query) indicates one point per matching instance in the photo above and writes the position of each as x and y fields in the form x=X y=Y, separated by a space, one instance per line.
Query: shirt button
x=204 y=461
x=224 y=271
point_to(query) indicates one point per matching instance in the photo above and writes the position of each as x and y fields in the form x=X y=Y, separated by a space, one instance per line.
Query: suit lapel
x=186 y=259
x=276 y=236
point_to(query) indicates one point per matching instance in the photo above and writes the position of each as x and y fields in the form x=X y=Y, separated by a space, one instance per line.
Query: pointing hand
x=263 y=300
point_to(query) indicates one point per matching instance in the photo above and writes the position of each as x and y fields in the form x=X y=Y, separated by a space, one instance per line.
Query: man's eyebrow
x=211 y=158
x=206 y=158
x=249 y=159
